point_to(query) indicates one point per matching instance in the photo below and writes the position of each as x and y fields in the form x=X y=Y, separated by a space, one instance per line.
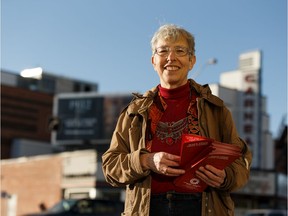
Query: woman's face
x=173 y=69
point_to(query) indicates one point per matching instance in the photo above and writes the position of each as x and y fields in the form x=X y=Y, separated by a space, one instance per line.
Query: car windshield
x=256 y=214
x=97 y=207
x=63 y=206
x=268 y=214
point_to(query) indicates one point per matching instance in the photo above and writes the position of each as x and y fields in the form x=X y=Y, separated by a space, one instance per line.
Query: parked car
x=266 y=212
x=84 y=207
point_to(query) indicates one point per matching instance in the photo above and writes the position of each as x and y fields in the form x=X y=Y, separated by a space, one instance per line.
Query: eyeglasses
x=179 y=51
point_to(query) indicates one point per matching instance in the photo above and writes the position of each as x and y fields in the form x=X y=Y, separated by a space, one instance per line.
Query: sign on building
x=250 y=67
x=86 y=117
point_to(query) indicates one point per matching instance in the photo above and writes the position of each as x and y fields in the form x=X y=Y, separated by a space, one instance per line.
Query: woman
x=145 y=147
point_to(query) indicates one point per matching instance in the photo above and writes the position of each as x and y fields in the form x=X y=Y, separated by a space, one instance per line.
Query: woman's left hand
x=211 y=176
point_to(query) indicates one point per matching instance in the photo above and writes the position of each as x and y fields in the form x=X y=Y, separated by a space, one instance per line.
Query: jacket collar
x=141 y=102
x=205 y=92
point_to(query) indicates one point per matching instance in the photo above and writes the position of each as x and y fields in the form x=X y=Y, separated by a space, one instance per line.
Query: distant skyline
x=108 y=42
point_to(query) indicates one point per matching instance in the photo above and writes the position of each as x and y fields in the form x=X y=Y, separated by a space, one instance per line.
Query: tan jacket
x=121 y=162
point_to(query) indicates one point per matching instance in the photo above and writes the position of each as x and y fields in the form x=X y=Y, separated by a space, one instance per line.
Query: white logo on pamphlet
x=194 y=181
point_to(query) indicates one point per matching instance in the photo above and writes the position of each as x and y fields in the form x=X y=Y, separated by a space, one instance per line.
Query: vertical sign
x=250 y=66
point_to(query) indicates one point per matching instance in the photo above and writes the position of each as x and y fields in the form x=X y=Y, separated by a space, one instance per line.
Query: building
x=28 y=116
x=281 y=149
x=241 y=91
x=31 y=183
x=28 y=182
x=24 y=116
x=47 y=83
x=26 y=110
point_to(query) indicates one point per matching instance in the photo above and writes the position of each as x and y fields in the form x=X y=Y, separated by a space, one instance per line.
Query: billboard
x=86 y=117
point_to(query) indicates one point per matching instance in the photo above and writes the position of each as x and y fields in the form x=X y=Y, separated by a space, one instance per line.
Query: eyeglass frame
x=169 y=49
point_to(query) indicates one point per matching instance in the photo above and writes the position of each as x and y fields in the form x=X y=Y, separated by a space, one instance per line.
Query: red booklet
x=197 y=151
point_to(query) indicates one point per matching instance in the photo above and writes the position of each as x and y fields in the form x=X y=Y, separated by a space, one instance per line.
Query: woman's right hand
x=161 y=163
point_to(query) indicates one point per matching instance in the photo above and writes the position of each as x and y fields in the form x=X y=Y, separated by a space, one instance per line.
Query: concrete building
x=241 y=91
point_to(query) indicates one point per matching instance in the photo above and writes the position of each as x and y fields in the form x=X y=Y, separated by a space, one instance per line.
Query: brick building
x=24 y=114
x=29 y=183
x=26 y=108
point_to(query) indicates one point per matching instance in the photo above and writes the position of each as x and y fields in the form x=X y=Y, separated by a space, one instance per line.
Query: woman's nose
x=171 y=55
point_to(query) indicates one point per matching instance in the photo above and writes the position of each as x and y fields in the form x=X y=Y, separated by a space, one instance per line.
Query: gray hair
x=173 y=32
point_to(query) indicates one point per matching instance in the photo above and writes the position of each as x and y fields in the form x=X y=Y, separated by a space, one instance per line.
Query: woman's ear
x=153 y=62
x=192 y=61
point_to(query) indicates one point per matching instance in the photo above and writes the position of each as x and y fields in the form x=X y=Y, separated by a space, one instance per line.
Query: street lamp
x=211 y=61
x=34 y=73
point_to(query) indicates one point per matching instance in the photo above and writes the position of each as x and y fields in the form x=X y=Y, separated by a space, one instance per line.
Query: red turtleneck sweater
x=169 y=130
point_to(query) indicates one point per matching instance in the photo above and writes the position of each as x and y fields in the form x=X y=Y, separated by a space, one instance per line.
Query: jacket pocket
x=227 y=203
x=131 y=202
x=220 y=203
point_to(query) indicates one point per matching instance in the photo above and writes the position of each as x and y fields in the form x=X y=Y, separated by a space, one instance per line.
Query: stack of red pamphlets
x=197 y=151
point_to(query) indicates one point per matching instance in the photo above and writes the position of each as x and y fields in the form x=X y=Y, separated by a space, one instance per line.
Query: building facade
x=26 y=111
x=241 y=92
x=24 y=115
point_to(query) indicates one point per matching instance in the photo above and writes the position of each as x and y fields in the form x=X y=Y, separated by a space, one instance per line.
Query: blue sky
x=108 y=42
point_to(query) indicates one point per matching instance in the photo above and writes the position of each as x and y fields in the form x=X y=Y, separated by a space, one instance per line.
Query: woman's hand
x=162 y=163
x=211 y=176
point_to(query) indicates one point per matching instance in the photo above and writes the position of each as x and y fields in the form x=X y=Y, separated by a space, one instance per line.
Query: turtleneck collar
x=176 y=93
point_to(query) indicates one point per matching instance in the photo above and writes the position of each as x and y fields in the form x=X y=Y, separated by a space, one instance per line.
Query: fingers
x=169 y=159
x=211 y=175
x=170 y=171
x=165 y=159
x=165 y=163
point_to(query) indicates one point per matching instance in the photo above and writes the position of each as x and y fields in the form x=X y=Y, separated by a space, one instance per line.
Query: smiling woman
x=173 y=56
x=145 y=146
